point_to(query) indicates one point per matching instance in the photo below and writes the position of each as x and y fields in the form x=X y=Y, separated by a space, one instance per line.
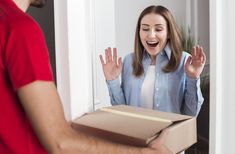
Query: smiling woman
x=149 y=29
x=155 y=27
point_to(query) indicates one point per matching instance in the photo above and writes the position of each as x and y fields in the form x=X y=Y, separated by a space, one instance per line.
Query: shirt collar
x=167 y=50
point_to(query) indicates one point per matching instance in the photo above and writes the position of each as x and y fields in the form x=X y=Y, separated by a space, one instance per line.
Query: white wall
x=73 y=56
x=103 y=36
x=228 y=76
x=62 y=60
x=222 y=108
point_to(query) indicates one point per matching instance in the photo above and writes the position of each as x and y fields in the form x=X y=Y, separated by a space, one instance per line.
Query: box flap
x=143 y=127
x=173 y=117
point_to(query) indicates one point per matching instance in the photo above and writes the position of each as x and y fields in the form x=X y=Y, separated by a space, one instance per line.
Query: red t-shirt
x=23 y=59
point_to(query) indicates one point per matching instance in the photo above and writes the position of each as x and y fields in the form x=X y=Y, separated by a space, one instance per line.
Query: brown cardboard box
x=138 y=126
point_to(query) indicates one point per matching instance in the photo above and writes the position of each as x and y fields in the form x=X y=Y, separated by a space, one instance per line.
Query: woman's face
x=153 y=33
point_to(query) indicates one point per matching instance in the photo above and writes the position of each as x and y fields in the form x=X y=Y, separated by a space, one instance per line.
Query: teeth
x=151 y=42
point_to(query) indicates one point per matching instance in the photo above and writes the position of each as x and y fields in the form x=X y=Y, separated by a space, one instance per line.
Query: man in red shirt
x=31 y=116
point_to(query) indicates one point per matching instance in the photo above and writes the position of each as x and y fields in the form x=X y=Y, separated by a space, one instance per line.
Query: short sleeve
x=27 y=57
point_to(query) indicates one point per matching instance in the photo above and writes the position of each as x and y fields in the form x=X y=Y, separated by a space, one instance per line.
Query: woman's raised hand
x=195 y=63
x=111 y=66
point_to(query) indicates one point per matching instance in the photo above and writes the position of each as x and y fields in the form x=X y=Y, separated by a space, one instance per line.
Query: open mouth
x=152 y=44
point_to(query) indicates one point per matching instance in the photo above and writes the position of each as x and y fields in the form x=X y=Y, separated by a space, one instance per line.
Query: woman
x=158 y=75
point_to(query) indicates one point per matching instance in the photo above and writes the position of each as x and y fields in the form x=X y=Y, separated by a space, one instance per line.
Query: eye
x=145 y=29
x=158 y=29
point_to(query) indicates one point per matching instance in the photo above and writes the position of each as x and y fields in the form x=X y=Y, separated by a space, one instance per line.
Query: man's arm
x=43 y=107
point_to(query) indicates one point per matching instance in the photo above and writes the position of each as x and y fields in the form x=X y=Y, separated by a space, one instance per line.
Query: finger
x=161 y=138
x=120 y=62
x=109 y=55
x=197 y=52
x=102 y=60
x=163 y=135
x=115 y=55
x=194 y=52
x=188 y=61
x=203 y=56
x=200 y=54
x=106 y=56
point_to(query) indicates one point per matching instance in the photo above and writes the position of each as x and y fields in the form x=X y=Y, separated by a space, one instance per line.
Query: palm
x=195 y=64
x=113 y=67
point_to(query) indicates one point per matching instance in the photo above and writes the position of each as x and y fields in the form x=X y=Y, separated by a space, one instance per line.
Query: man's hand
x=158 y=146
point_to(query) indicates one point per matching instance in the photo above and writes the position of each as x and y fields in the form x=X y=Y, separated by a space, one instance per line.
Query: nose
x=151 y=33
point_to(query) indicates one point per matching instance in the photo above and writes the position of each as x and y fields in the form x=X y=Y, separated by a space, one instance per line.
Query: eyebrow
x=154 y=25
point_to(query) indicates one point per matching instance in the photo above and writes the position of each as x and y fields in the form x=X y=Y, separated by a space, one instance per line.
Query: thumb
x=101 y=60
x=120 y=62
x=160 y=140
x=189 y=60
x=163 y=135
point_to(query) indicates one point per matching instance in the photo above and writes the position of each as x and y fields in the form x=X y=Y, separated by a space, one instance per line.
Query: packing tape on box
x=145 y=117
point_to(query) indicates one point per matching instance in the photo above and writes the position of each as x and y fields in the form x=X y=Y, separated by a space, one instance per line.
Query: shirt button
x=157 y=89
x=157 y=105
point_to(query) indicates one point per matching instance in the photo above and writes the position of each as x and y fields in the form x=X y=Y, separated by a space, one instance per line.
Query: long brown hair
x=175 y=40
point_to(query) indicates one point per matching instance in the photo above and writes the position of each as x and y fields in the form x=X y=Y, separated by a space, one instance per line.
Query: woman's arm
x=193 y=67
x=116 y=92
x=193 y=99
x=112 y=67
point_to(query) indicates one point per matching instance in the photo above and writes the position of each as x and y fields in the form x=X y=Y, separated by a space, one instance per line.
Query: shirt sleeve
x=27 y=57
x=115 y=92
x=116 y=89
x=193 y=97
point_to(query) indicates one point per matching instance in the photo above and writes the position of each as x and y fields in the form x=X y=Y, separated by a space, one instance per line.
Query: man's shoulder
x=13 y=19
x=23 y=22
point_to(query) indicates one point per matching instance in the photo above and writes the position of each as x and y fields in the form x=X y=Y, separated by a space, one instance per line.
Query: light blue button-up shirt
x=174 y=92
